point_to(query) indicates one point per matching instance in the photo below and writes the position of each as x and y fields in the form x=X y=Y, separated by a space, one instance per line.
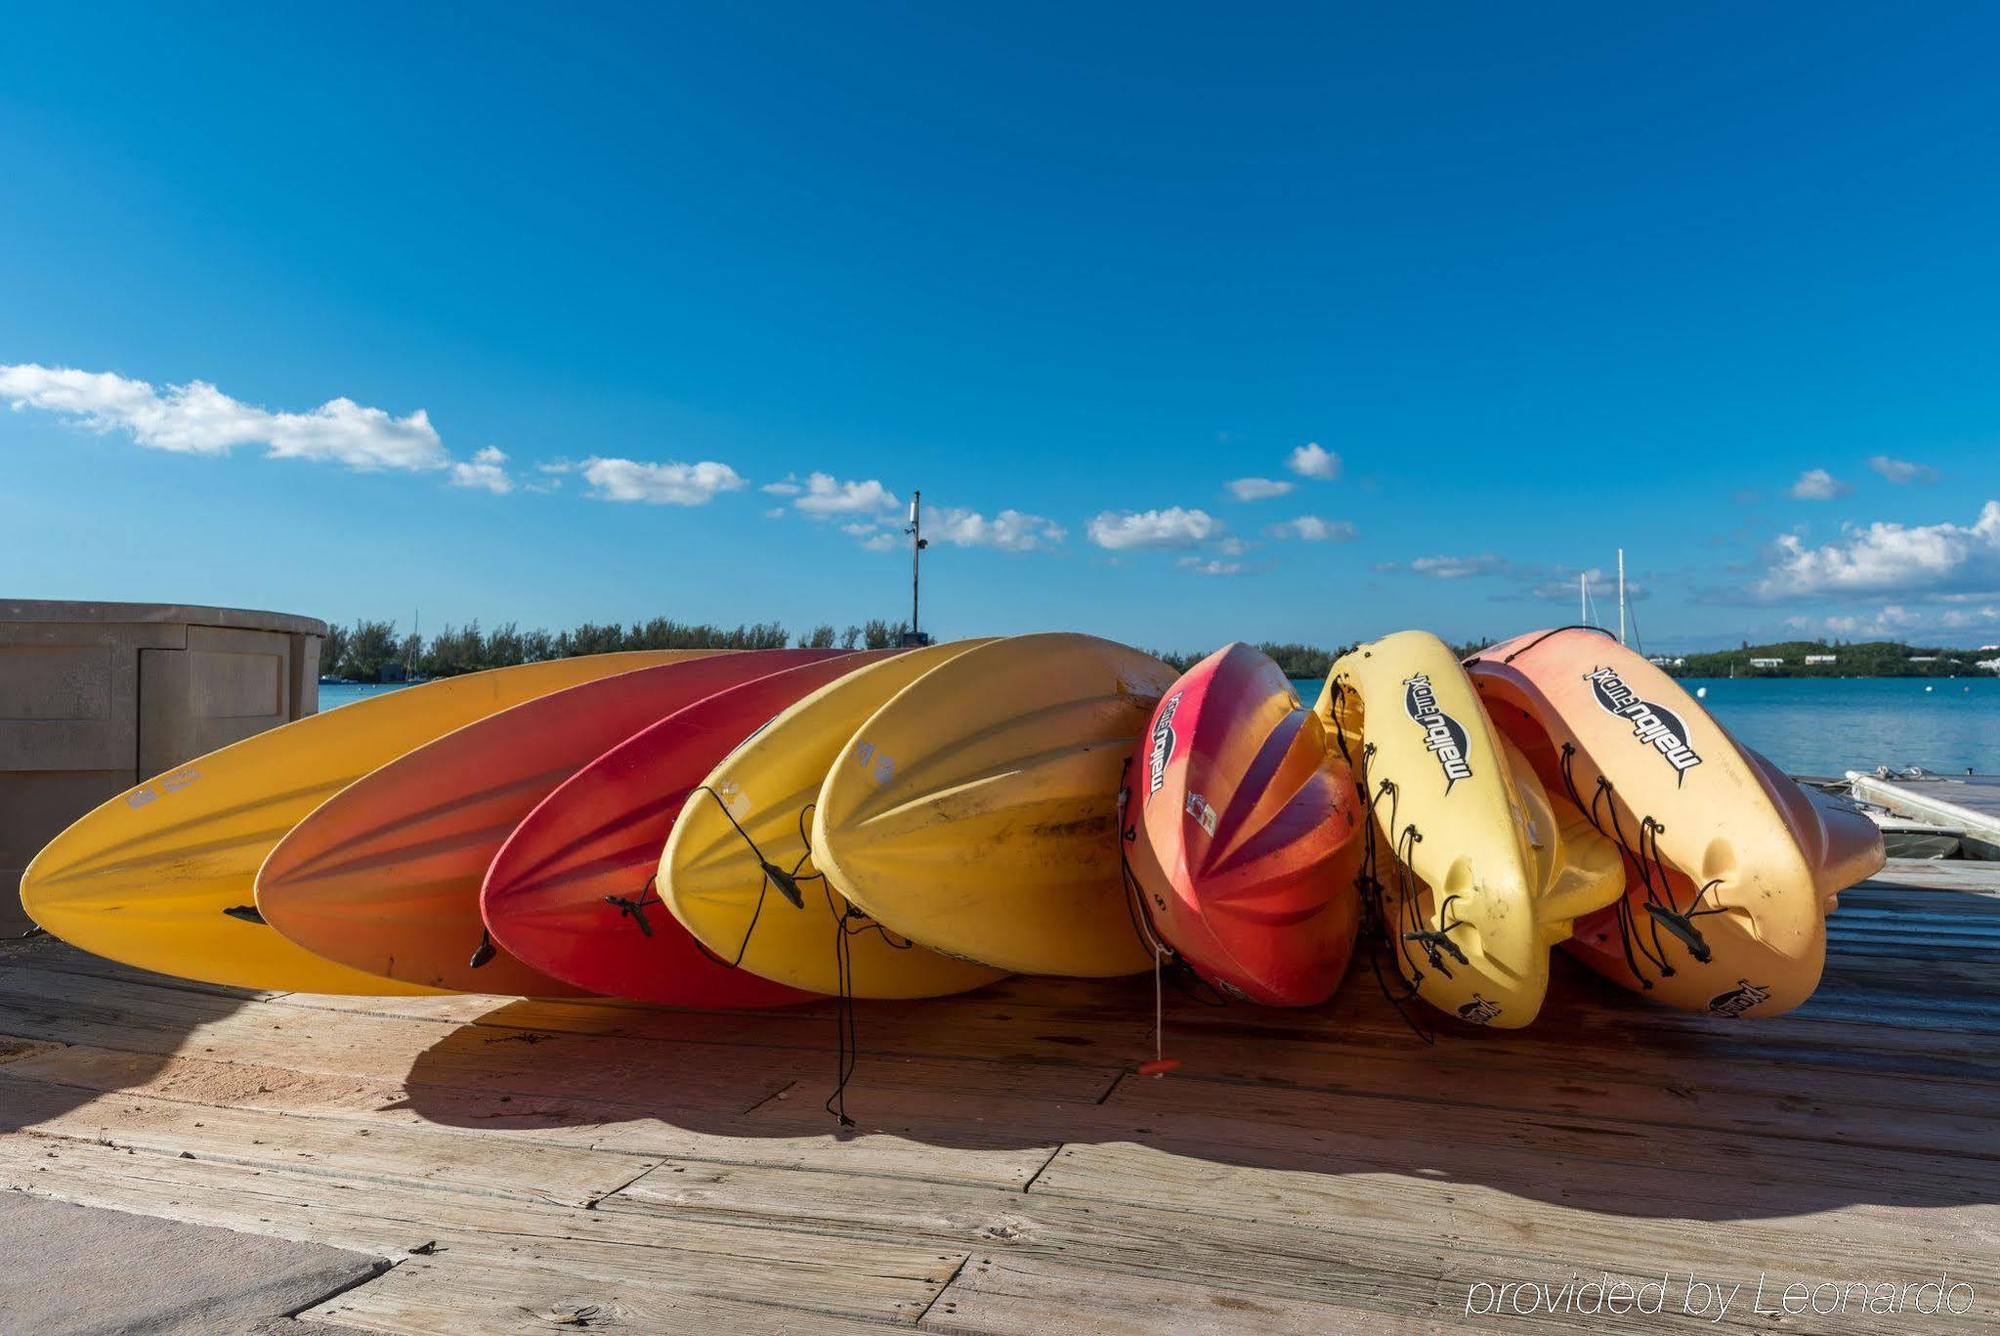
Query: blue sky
x=274 y=286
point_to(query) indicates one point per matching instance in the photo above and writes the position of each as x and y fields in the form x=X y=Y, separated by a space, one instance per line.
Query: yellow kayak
x=977 y=811
x=163 y=876
x=755 y=807
x=1478 y=874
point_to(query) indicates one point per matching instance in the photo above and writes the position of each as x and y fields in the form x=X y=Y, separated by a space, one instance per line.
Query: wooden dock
x=534 y=1167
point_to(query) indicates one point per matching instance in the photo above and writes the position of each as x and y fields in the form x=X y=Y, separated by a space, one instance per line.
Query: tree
x=371 y=648
x=878 y=634
x=333 y=650
x=504 y=647
x=850 y=637
x=820 y=637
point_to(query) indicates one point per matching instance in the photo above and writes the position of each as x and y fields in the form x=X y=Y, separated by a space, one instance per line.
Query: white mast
x=1583 y=598
x=1621 y=595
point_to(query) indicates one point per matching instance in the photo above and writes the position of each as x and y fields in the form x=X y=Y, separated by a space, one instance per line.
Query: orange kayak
x=1731 y=868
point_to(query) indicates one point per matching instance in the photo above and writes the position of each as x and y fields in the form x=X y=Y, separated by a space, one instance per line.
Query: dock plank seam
x=1045 y=1164
x=944 y=1289
x=591 y=1203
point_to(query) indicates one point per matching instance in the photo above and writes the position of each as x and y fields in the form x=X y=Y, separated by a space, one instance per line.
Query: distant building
x=1923 y=658
x=1666 y=661
x=1767 y=663
x=1812 y=659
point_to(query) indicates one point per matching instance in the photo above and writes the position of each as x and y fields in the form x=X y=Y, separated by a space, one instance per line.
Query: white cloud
x=1309 y=461
x=672 y=484
x=775 y=513
x=1009 y=530
x=826 y=495
x=1891 y=559
x=881 y=542
x=1818 y=485
x=1173 y=527
x=1208 y=566
x=1231 y=547
x=196 y=418
x=1313 y=529
x=1603 y=585
x=1259 y=489
x=1896 y=621
x=1458 y=568
x=1902 y=471
x=788 y=486
x=487 y=471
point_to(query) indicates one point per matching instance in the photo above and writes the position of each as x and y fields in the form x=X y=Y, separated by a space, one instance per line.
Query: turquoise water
x=1815 y=726
x=1825 y=725
x=346 y=693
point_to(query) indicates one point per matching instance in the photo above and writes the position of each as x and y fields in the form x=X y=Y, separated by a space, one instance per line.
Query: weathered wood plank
x=1003 y=1295
x=38 y=1096
x=1362 y=1239
x=1317 y=1261
x=498 y=1116
x=445 y=1296
x=884 y=1282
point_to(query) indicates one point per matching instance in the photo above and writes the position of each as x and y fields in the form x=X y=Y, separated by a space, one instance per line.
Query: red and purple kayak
x=1244 y=835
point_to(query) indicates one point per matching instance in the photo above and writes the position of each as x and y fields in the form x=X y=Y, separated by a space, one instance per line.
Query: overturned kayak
x=1244 y=832
x=572 y=892
x=977 y=811
x=1475 y=873
x=385 y=875
x=163 y=876
x=1731 y=867
x=738 y=872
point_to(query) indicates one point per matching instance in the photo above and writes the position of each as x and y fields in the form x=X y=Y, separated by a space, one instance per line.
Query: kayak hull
x=385 y=875
x=163 y=876
x=573 y=893
x=1244 y=833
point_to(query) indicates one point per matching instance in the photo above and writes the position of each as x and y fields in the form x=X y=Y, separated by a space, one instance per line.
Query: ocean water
x=1808 y=725
x=1826 y=725
x=335 y=694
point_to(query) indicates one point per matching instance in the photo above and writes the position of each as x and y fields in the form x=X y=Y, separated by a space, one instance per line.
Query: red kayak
x=571 y=892
x=1243 y=835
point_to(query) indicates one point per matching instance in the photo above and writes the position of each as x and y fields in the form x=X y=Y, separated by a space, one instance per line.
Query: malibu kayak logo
x=1162 y=749
x=1655 y=725
x=1739 y=999
x=1444 y=736
x=1479 y=1010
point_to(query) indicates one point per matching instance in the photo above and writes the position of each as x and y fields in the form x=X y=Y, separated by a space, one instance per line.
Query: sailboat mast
x=1621 y=595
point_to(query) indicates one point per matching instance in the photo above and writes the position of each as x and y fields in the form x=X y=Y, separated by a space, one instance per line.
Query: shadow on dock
x=1881 y=1091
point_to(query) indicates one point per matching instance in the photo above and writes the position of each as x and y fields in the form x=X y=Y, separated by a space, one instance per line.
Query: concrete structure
x=1767 y=663
x=95 y=697
x=1814 y=660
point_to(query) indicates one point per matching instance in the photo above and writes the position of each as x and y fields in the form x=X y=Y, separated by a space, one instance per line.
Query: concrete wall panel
x=95 y=697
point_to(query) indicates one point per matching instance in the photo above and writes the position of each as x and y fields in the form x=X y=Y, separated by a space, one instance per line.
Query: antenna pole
x=916 y=532
x=1621 y=595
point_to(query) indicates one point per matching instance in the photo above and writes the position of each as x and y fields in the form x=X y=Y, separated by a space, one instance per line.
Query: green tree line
x=1869 y=658
x=372 y=651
